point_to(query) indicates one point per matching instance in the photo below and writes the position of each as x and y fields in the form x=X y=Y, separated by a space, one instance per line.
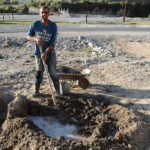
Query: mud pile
x=104 y=124
x=5 y=98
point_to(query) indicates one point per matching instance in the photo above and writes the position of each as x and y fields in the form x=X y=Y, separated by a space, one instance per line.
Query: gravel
x=96 y=48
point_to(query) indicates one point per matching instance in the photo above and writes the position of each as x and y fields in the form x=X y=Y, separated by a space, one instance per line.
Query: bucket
x=64 y=87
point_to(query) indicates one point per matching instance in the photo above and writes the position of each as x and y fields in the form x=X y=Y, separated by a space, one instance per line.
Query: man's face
x=44 y=13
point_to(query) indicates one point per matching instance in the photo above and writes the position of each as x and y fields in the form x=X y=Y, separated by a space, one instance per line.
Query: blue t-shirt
x=47 y=33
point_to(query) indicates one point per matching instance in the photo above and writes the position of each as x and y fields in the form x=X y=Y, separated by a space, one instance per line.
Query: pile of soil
x=104 y=124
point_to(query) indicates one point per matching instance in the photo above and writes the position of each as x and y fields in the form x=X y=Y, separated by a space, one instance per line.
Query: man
x=44 y=33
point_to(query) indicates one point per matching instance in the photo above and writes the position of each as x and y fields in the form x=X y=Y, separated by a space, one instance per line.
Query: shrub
x=42 y=3
x=115 y=7
x=1 y=2
x=23 y=9
x=10 y=9
x=2 y=9
x=138 y=10
x=55 y=6
x=64 y=5
x=14 y=2
x=145 y=10
x=33 y=3
x=48 y=2
x=77 y=7
x=133 y=9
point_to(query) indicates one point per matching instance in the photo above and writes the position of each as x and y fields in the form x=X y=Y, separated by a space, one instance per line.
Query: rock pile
x=97 y=49
x=69 y=44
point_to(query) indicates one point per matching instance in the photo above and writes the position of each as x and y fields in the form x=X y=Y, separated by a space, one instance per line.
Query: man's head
x=44 y=12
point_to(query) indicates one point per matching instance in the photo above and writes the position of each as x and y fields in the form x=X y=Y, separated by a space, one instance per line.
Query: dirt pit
x=98 y=124
x=53 y=128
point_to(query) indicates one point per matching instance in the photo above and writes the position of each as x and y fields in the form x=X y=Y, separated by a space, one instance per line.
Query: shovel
x=48 y=78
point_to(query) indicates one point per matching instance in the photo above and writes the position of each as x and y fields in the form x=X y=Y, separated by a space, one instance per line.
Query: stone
x=18 y=107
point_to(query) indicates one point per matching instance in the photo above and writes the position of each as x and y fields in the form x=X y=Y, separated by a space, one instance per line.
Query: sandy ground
x=121 y=86
x=127 y=80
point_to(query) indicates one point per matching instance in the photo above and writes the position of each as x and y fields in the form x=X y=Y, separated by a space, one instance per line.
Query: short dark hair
x=45 y=7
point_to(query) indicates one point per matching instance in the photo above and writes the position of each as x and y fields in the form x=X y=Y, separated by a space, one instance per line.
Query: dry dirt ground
x=113 y=113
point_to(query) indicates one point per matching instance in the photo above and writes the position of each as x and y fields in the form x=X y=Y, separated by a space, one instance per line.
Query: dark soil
x=105 y=125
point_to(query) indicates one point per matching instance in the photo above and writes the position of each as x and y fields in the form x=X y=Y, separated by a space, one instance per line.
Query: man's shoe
x=36 y=94
x=36 y=91
x=58 y=94
x=57 y=89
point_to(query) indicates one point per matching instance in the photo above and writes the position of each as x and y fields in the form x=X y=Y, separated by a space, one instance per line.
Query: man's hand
x=39 y=42
x=44 y=55
x=36 y=39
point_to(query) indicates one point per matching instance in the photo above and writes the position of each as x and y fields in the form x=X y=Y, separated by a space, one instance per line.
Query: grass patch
x=135 y=22
x=128 y=21
x=118 y=21
x=29 y=22
x=15 y=22
x=65 y=23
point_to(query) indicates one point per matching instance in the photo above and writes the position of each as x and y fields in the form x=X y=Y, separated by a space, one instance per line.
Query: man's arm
x=49 y=48
x=32 y=38
x=54 y=36
x=35 y=39
x=31 y=35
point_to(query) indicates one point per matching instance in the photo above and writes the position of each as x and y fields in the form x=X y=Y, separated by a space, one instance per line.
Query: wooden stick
x=48 y=77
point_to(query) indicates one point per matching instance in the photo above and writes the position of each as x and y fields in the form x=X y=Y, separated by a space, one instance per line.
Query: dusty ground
x=113 y=113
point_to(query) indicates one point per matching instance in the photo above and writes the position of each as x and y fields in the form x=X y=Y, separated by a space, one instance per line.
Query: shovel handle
x=48 y=78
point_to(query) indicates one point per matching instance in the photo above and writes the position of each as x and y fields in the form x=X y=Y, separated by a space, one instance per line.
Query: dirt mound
x=103 y=124
x=5 y=98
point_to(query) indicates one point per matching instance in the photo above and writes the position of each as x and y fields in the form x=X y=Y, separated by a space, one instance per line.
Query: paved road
x=82 y=28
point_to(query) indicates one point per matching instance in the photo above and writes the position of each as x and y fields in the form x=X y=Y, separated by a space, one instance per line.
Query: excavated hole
x=77 y=119
x=80 y=122
x=53 y=128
